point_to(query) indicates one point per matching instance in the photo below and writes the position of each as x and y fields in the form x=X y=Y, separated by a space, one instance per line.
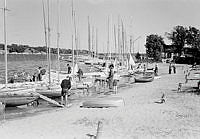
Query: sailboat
x=51 y=89
x=12 y=95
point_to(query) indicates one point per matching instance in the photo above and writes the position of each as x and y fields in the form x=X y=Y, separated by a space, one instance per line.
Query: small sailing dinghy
x=144 y=77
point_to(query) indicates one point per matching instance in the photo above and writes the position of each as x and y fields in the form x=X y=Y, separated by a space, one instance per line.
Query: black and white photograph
x=99 y=69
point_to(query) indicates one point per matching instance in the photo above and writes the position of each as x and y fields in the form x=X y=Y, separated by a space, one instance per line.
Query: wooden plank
x=50 y=100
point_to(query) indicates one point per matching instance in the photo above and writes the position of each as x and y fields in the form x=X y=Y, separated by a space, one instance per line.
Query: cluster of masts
x=118 y=33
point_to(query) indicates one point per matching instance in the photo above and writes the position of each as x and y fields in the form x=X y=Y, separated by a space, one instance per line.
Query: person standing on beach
x=145 y=68
x=115 y=80
x=36 y=74
x=110 y=77
x=69 y=69
x=39 y=77
x=174 y=68
x=66 y=86
x=80 y=74
x=156 y=70
x=170 y=68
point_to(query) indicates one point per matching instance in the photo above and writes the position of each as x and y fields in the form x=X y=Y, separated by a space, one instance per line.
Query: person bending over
x=66 y=86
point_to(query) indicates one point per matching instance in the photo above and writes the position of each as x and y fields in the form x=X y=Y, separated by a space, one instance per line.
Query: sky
x=140 y=18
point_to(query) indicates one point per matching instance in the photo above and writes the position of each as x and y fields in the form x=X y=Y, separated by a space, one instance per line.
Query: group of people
x=79 y=73
x=24 y=76
x=37 y=76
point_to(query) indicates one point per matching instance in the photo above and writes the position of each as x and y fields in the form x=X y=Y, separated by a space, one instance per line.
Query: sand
x=141 y=117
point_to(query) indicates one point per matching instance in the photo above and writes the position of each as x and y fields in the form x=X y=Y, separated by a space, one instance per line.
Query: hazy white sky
x=25 y=21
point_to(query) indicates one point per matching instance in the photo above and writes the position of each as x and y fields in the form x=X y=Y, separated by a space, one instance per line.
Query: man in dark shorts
x=66 y=86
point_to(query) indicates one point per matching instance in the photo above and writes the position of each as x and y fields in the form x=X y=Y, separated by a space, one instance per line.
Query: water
x=20 y=63
x=23 y=63
x=28 y=63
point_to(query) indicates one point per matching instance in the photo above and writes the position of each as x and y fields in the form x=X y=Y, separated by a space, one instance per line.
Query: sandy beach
x=140 y=117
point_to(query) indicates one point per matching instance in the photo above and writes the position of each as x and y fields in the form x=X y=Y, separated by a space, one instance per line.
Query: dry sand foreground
x=141 y=118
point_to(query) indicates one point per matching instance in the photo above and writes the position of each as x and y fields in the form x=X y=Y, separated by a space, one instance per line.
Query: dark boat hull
x=143 y=80
x=13 y=101
x=12 y=97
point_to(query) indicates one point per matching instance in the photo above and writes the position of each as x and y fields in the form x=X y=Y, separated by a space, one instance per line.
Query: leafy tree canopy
x=154 y=46
x=193 y=37
x=178 y=37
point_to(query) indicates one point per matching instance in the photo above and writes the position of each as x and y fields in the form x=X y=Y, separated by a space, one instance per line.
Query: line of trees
x=179 y=36
x=21 y=49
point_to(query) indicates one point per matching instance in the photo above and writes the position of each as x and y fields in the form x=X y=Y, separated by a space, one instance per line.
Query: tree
x=137 y=56
x=178 y=37
x=154 y=46
x=193 y=37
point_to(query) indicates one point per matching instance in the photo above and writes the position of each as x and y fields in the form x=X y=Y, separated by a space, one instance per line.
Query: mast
x=58 y=37
x=131 y=37
x=93 y=41
x=49 y=36
x=115 y=39
x=73 y=36
x=89 y=44
x=73 y=55
x=75 y=30
x=108 y=41
x=130 y=43
x=119 y=44
x=96 y=42
x=45 y=29
x=122 y=43
x=5 y=44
